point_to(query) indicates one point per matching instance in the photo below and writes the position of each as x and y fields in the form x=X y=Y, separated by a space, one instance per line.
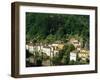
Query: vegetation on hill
x=51 y=28
x=48 y=28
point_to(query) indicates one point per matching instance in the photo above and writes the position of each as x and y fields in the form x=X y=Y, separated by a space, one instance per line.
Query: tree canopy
x=45 y=27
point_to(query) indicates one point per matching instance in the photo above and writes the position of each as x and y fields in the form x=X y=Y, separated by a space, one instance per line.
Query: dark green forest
x=48 y=28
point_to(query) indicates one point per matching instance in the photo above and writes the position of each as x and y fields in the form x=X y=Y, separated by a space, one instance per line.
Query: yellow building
x=60 y=46
x=84 y=54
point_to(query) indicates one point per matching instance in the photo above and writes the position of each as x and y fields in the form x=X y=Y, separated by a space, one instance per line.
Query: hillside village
x=53 y=49
x=56 y=39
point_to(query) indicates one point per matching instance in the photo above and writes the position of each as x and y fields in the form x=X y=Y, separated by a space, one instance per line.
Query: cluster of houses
x=78 y=52
x=52 y=49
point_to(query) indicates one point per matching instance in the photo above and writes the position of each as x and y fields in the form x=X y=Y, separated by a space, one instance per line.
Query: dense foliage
x=47 y=28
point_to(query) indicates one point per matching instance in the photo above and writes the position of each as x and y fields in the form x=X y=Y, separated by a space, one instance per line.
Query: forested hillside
x=48 y=28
